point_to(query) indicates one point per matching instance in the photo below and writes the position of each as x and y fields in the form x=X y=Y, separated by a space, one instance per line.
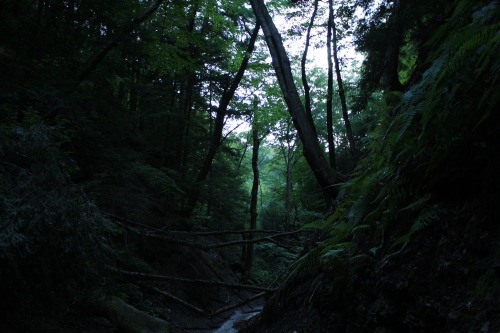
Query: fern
x=52 y=239
x=424 y=219
x=432 y=121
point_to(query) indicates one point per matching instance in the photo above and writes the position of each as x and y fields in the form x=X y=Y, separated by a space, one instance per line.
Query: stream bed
x=239 y=315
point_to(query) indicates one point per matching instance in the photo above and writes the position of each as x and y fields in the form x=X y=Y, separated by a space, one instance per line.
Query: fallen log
x=178 y=300
x=156 y=277
x=201 y=233
x=200 y=311
x=201 y=246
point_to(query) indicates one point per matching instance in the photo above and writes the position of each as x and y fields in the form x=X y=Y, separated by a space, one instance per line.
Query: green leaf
x=332 y=253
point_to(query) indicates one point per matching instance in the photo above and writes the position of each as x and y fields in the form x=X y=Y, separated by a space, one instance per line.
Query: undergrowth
x=53 y=240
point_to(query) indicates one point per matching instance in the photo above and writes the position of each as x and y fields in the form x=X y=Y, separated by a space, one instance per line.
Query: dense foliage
x=435 y=144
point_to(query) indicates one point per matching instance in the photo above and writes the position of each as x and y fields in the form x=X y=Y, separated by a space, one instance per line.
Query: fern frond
x=424 y=219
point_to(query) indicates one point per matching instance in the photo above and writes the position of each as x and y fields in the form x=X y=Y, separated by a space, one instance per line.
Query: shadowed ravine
x=164 y=170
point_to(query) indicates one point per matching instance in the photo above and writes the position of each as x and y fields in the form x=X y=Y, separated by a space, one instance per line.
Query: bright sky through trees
x=317 y=55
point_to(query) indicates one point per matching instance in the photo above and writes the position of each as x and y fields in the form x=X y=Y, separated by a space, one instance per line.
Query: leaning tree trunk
x=313 y=153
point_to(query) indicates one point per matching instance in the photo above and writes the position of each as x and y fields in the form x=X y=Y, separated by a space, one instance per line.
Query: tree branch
x=217 y=139
x=177 y=241
x=181 y=242
x=200 y=311
x=256 y=240
x=197 y=233
x=187 y=243
x=156 y=277
x=243 y=302
x=122 y=219
x=228 y=232
x=178 y=300
x=286 y=247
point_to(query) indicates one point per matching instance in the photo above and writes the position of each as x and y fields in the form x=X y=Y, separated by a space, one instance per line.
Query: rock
x=129 y=319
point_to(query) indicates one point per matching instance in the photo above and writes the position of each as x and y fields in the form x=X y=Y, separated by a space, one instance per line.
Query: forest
x=249 y=166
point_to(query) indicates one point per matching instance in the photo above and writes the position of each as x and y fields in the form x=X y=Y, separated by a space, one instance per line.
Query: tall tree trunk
x=295 y=216
x=187 y=112
x=288 y=193
x=343 y=103
x=329 y=95
x=133 y=99
x=194 y=194
x=133 y=93
x=166 y=158
x=186 y=104
x=307 y=89
x=253 y=200
x=290 y=161
x=313 y=153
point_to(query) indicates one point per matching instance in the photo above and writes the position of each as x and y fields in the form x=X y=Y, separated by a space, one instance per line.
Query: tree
x=288 y=147
x=219 y=123
x=248 y=259
x=333 y=31
x=329 y=96
x=312 y=151
x=307 y=89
